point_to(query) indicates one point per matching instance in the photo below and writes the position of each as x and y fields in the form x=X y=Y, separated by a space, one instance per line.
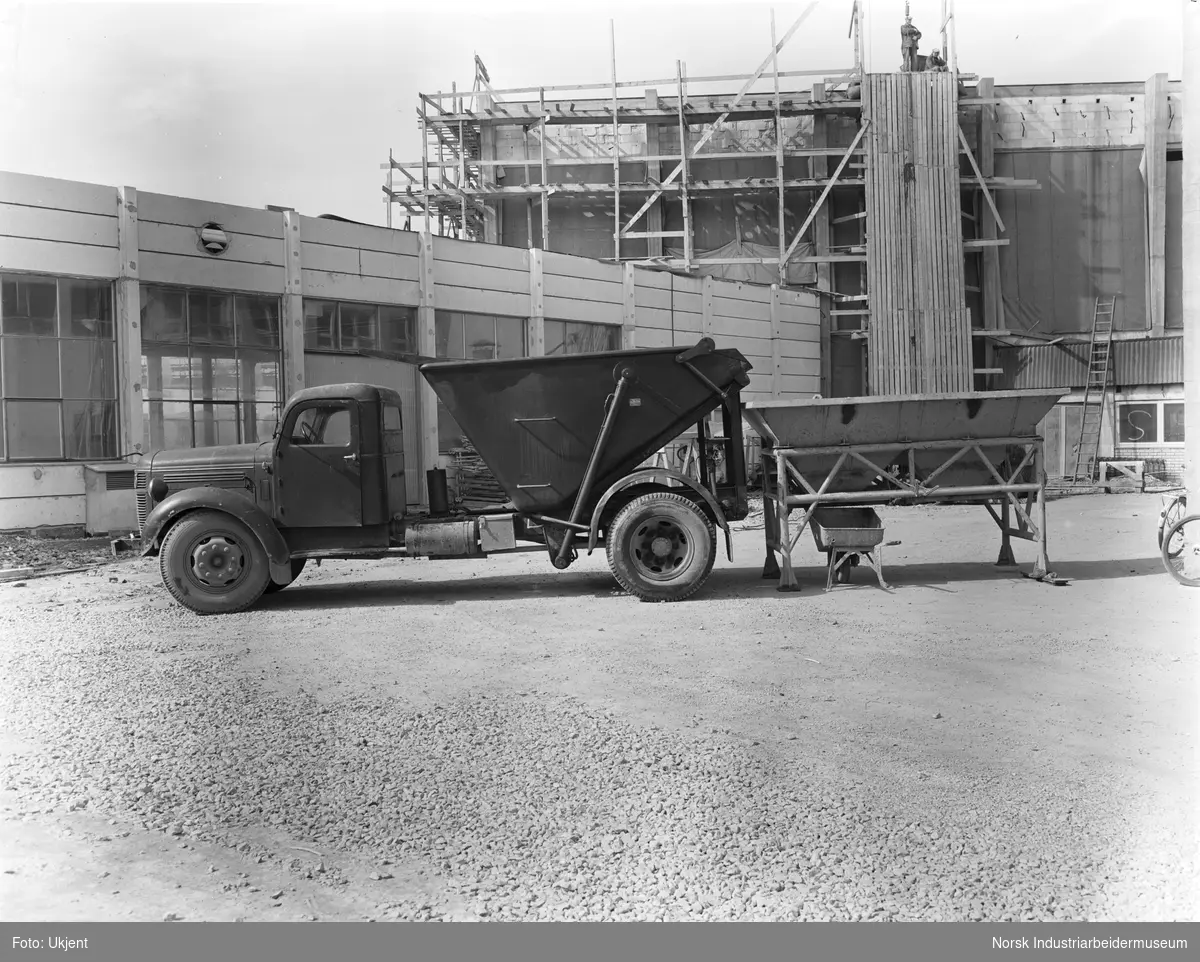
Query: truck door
x=318 y=473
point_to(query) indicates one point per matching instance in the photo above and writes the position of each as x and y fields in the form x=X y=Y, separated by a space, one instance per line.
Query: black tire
x=661 y=547
x=297 y=567
x=1175 y=510
x=200 y=587
x=1181 y=551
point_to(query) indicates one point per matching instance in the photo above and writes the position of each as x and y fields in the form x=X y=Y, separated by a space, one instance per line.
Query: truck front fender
x=229 y=502
x=661 y=476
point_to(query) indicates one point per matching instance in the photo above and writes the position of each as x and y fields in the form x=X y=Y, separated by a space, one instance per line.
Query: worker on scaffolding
x=910 y=36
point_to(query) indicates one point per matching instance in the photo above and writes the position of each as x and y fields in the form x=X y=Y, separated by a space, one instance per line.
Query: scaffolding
x=456 y=183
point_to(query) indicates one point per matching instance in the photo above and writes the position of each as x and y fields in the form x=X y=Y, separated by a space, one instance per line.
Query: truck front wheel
x=213 y=564
x=661 y=547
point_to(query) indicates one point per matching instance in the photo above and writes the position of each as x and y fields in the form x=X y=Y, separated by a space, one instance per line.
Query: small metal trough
x=846 y=535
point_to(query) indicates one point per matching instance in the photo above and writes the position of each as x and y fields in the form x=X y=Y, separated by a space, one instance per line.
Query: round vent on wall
x=213 y=239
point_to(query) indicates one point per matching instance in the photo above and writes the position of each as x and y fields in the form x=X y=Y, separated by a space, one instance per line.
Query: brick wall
x=1163 y=461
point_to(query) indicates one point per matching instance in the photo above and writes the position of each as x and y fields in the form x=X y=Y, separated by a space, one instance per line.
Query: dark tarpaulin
x=1081 y=236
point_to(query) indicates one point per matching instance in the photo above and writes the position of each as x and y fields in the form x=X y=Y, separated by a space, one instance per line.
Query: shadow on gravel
x=395 y=592
x=725 y=584
x=738 y=582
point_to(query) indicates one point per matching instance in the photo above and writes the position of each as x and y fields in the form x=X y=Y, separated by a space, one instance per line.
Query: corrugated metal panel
x=1146 y=361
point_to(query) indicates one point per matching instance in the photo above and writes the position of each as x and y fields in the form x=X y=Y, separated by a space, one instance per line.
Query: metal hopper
x=971 y=447
x=536 y=421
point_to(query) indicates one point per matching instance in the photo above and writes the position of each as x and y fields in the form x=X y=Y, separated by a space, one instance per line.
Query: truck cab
x=331 y=480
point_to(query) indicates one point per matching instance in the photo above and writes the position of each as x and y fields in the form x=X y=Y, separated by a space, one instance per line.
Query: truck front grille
x=190 y=477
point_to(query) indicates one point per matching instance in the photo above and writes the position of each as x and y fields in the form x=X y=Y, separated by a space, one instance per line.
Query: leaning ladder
x=1099 y=365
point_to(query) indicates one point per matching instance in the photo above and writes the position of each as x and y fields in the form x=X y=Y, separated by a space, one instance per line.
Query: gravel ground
x=19 y=551
x=535 y=746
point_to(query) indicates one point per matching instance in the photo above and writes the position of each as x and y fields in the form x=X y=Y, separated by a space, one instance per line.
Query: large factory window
x=58 y=384
x=576 y=337
x=344 y=327
x=475 y=337
x=210 y=367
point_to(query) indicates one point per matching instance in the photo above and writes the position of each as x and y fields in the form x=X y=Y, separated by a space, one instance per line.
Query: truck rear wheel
x=213 y=564
x=297 y=567
x=661 y=547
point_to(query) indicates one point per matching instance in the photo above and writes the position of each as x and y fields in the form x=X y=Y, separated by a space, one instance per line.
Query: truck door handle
x=350 y=457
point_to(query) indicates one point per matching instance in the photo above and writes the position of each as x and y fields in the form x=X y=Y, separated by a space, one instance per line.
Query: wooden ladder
x=1099 y=367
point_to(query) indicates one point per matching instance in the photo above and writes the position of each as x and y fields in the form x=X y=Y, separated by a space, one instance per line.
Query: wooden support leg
x=1041 y=567
x=770 y=528
x=787 y=577
x=1006 y=559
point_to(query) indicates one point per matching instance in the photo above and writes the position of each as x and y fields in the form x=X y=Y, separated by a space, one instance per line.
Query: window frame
x=608 y=328
x=191 y=354
x=101 y=405
x=380 y=342
x=1160 y=421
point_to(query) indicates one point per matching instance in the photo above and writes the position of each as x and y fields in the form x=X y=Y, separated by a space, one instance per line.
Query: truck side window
x=327 y=423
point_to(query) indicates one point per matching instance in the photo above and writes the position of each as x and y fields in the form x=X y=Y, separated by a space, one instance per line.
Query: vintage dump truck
x=563 y=436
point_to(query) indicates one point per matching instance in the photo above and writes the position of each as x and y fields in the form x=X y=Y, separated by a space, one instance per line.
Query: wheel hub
x=660 y=547
x=217 y=561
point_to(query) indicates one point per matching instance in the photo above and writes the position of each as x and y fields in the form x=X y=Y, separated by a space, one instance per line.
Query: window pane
x=448 y=331
x=258 y=377
x=398 y=330
x=210 y=318
x=215 y=424
x=31 y=367
x=358 y=328
x=266 y=417
x=90 y=429
x=167 y=426
x=554 y=336
x=510 y=337
x=86 y=308
x=166 y=374
x=326 y=423
x=1173 y=423
x=88 y=369
x=320 y=325
x=480 y=332
x=34 y=429
x=588 y=338
x=1138 y=423
x=257 y=321
x=214 y=377
x=450 y=435
x=164 y=315
x=30 y=306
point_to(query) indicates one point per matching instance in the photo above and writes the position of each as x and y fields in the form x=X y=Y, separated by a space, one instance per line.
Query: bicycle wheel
x=1173 y=512
x=1181 y=550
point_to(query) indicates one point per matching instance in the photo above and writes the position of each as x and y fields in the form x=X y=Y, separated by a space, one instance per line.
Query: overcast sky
x=298 y=104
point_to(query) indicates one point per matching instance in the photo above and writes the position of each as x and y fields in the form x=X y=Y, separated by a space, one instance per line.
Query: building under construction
x=961 y=234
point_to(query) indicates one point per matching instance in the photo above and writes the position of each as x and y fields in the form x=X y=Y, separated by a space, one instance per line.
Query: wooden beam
x=825 y=193
x=1156 y=200
x=861 y=215
x=684 y=137
x=712 y=128
x=616 y=149
x=980 y=243
x=979 y=178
